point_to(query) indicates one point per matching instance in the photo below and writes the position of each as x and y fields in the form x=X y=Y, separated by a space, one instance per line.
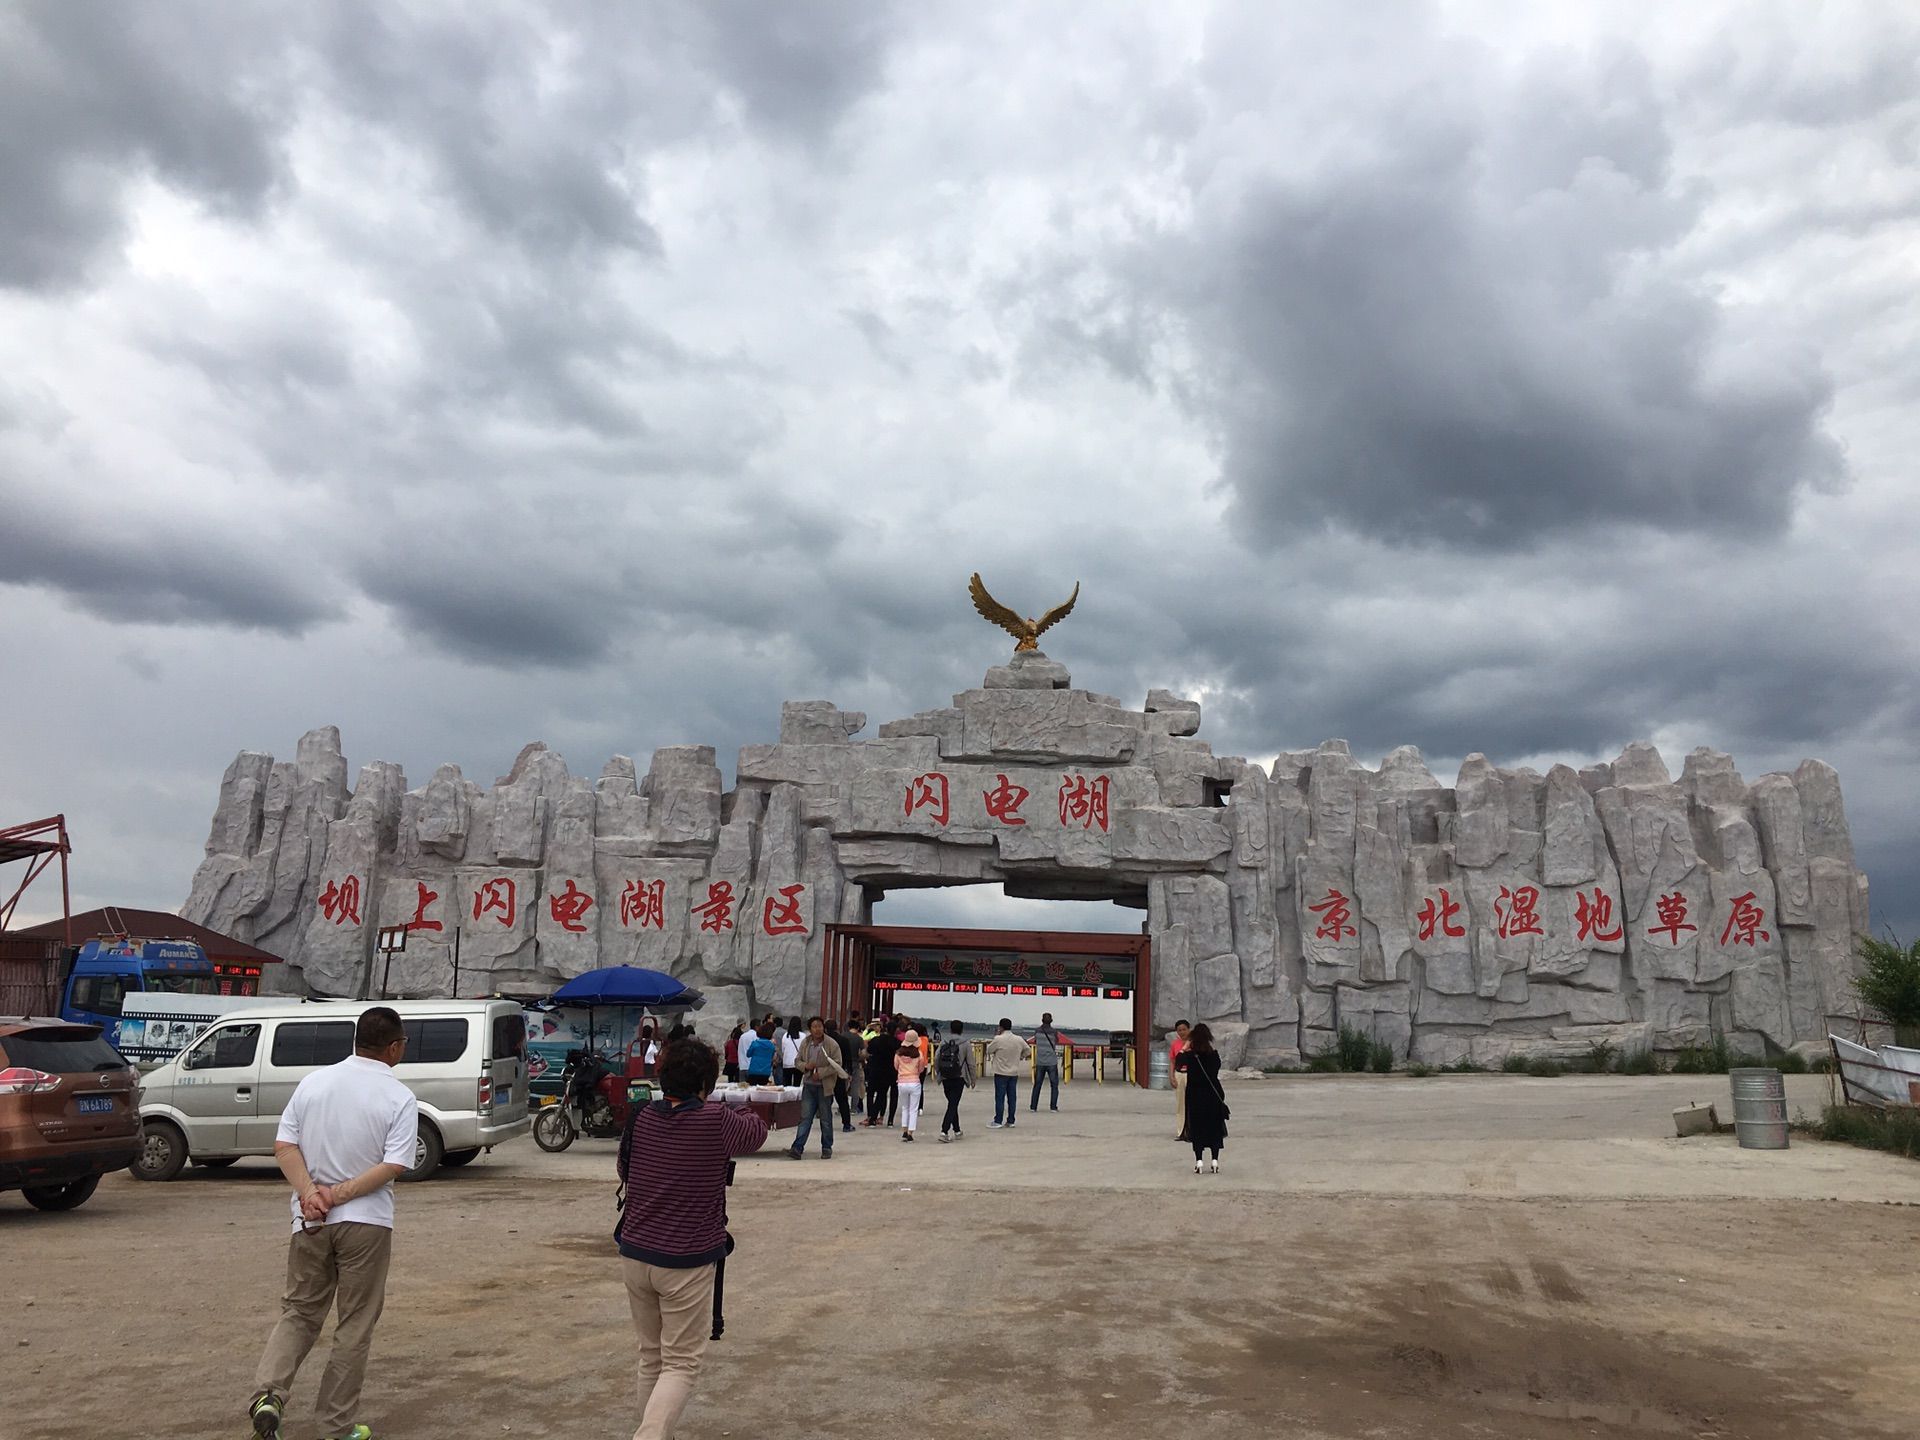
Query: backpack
x=948 y=1063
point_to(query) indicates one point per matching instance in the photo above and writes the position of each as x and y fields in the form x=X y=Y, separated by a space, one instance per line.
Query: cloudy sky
x=1501 y=377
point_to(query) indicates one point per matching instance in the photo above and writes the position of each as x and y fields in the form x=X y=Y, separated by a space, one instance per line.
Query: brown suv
x=68 y=1111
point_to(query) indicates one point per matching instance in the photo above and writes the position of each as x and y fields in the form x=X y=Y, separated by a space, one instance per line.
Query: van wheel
x=61 y=1197
x=459 y=1157
x=427 y=1153
x=217 y=1162
x=163 y=1151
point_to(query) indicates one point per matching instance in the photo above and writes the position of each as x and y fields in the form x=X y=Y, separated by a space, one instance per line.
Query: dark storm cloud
x=92 y=95
x=1462 y=335
x=480 y=615
x=1524 y=664
x=623 y=372
x=143 y=573
x=534 y=121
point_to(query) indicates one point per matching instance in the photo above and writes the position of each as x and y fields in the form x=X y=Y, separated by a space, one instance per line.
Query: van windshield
x=183 y=984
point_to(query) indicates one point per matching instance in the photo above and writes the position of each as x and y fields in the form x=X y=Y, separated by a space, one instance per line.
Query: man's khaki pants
x=1180 y=1102
x=673 y=1316
x=347 y=1261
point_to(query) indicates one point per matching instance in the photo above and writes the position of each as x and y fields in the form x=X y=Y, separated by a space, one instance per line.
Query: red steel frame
x=846 y=966
x=37 y=842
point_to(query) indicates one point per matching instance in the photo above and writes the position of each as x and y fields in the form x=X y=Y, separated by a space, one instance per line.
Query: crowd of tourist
x=879 y=1068
x=348 y=1133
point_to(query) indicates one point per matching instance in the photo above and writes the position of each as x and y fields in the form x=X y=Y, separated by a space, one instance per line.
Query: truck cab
x=105 y=972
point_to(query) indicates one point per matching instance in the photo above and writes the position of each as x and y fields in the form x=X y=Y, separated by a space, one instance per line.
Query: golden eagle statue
x=1027 y=632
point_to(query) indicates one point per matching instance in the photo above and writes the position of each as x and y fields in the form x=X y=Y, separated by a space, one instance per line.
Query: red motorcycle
x=595 y=1101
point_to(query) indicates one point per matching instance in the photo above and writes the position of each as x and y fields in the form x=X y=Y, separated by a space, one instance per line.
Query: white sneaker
x=943 y=1137
x=1216 y=1167
x=993 y=1125
x=1196 y=1167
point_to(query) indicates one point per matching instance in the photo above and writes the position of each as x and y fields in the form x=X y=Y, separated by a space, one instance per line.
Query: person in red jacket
x=673 y=1224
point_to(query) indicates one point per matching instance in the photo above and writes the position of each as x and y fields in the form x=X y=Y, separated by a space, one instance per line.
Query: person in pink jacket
x=908 y=1066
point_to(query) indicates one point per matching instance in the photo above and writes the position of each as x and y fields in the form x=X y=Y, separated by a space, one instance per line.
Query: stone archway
x=1509 y=912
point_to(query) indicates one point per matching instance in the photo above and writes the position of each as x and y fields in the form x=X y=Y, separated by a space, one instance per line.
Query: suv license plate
x=95 y=1105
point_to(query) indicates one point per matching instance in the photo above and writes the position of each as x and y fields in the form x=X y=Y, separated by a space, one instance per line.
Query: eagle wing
x=1059 y=612
x=992 y=611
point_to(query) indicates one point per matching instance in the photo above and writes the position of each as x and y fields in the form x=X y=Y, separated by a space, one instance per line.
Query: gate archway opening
x=975 y=976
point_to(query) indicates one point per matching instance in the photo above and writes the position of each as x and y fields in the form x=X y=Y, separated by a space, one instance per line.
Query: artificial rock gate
x=1509 y=912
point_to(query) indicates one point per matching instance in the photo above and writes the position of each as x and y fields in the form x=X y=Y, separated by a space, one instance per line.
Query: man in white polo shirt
x=346 y=1135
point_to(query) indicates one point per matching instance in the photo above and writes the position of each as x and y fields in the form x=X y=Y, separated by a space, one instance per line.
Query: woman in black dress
x=1206 y=1102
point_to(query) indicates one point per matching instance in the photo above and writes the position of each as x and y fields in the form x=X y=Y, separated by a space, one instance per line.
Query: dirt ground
x=1470 y=1257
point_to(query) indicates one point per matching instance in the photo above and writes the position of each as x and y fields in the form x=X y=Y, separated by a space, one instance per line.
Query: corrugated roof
x=148 y=925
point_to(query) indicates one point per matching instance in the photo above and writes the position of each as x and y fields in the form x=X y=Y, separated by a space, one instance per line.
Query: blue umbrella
x=628 y=985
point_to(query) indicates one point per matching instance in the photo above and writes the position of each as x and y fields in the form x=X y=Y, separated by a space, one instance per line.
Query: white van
x=221 y=1098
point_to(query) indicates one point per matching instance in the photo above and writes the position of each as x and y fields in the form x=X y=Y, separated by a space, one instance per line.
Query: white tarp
x=1878 y=1075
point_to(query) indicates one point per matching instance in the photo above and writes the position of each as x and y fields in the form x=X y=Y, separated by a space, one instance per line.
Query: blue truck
x=150 y=998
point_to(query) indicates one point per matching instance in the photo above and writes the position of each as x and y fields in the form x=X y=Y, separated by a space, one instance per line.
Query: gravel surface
x=1475 y=1256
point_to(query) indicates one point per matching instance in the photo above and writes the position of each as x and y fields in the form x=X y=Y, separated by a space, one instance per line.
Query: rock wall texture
x=1509 y=912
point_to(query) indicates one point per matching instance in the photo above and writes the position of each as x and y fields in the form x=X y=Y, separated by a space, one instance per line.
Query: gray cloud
x=1465 y=334
x=612 y=376
x=92 y=96
x=135 y=570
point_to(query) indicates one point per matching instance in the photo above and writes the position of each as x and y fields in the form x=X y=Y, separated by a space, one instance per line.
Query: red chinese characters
x=1437 y=919
x=644 y=903
x=1592 y=915
x=1517 y=912
x=716 y=911
x=983 y=967
x=419 y=920
x=910 y=965
x=1336 y=915
x=1004 y=802
x=1020 y=969
x=499 y=897
x=569 y=908
x=946 y=965
x=340 y=901
x=1090 y=973
x=1056 y=971
x=929 y=792
x=1672 y=908
x=1744 y=921
x=781 y=915
x=1083 y=802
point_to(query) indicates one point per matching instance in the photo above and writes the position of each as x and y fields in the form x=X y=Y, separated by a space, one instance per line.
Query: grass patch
x=1788 y=1062
x=1601 y=1055
x=1638 y=1062
x=1712 y=1059
x=1380 y=1057
x=1544 y=1068
x=1463 y=1067
x=1327 y=1062
x=1419 y=1072
x=1354 y=1047
x=1515 y=1064
x=1897 y=1131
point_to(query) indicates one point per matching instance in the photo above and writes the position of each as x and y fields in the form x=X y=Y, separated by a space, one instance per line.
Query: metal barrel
x=1759 y=1109
x=1159 y=1071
